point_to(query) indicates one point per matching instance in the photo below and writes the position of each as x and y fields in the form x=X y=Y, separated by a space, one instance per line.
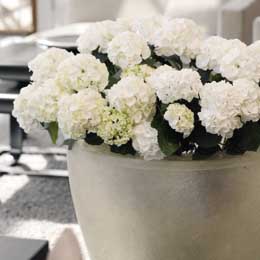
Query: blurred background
x=35 y=200
x=230 y=18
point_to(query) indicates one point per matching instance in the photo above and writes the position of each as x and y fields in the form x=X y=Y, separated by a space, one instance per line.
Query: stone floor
x=34 y=206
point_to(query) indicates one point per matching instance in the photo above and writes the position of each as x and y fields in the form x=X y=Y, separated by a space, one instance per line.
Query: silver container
x=130 y=209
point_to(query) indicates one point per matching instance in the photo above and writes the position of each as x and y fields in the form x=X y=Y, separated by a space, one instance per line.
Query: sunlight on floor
x=8 y=187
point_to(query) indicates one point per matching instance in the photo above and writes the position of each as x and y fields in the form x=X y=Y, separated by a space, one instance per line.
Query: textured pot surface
x=130 y=209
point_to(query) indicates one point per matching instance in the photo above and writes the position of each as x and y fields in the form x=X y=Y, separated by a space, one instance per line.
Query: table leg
x=16 y=138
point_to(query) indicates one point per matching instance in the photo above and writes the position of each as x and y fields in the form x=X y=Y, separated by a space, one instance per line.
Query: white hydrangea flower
x=80 y=112
x=37 y=103
x=231 y=58
x=180 y=118
x=235 y=62
x=172 y=85
x=220 y=108
x=133 y=96
x=82 y=71
x=45 y=65
x=143 y=71
x=211 y=52
x=145 y=26
x=128 y=49
x=182 y=37
x=249 y=92
x=21 y=110
x=115 y=128
x=98 y=35
x=145 y=141
x=44 y=102
x=253 y=51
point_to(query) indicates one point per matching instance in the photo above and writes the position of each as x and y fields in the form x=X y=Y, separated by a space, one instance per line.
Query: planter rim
x=221 y=161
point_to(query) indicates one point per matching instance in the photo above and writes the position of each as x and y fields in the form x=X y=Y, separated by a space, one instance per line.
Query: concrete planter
x=130 y=209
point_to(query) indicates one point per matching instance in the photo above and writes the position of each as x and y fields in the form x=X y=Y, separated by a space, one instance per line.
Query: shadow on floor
x=40 y=198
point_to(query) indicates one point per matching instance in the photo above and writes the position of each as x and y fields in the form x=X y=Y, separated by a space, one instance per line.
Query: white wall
x=59 y=12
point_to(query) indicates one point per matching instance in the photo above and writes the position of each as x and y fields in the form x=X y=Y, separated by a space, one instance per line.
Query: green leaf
x=151 y=61
x=175 y=62
x=204 y=139
x=168 y=139
x=53 y=130
x=100 y=56
x=244 y=139
x=113 y=78
x=123 y=149
x=217 y=77
x=167 y=144
x=93 y=139
x=205 y=75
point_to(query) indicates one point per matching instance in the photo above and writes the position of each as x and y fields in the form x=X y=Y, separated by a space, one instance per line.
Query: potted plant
x=162 y=126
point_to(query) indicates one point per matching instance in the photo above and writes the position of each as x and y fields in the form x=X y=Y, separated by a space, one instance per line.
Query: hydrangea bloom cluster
x=116 y=127
x=98 y=35
x=172 y=85
x=128 y=49
x=80 y=112
x=134 y=97
x=153 y=87
x=143 y=71
x=180 y=37
x=220 y=107
x=82 y=71
x=45 y=65
x=180 y=118
x=145 y=141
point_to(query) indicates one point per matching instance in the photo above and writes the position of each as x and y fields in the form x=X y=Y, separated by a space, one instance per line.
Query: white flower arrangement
x=153 y=86
x=128 y=49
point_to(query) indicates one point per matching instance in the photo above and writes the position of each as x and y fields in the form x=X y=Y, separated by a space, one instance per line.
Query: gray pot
x=130 y=209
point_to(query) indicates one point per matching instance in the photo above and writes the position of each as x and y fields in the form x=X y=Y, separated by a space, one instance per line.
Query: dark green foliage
x=156 y=61
x=123 y=149
x=168 y=139
x=114 y=71
x=93 y=139
x=152 y=62
x=204 y=139
x=204 y=153
x=100 y=56
x=205 y=75
x=173 y=61
x=244 y=139
x=114 y=77
x=217 y=77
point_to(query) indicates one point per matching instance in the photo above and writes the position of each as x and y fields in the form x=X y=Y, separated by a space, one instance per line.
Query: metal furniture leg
x=16 y=138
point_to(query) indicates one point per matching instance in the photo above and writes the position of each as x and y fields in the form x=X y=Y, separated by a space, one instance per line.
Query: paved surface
x=32 y=206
